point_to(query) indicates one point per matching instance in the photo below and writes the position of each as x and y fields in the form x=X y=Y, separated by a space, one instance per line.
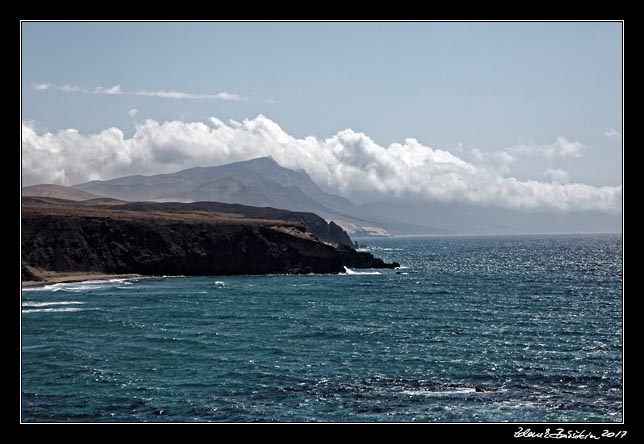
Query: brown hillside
x=58 y=192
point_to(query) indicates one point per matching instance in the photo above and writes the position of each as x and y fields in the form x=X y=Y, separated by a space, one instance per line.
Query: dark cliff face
x=328 y=232
x=97 y=239
x=120 y=246
x=355 y=259
x=27 y=275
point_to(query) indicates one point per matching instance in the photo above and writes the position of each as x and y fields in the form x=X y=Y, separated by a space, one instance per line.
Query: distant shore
x=52 y=277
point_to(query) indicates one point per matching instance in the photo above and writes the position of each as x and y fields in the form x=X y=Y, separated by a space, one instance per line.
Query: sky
x=521 y=115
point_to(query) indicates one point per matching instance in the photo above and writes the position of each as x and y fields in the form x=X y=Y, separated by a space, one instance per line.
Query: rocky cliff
x=190 y=242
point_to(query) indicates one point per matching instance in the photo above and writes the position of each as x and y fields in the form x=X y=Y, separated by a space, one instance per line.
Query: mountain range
x=262 y=182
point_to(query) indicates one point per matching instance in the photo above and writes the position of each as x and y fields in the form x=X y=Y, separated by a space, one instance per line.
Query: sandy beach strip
x=51 y=277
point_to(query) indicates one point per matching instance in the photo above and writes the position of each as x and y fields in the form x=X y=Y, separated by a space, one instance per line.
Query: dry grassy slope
x=160 y=217
x=58 y=192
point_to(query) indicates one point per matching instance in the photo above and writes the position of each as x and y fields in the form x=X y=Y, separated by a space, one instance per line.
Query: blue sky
x=453 y=86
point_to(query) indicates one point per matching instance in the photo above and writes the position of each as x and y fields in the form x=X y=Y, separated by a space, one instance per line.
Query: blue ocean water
x=537 y=320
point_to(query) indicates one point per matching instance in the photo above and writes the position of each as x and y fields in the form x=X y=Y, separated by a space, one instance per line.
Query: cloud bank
x=502 y=160
x=117 y=91
x=560 y=148
x=557 y=175
x=348 y=163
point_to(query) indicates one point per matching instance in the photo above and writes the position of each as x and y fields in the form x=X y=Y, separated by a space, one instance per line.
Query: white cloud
x=72 y=88
x=183 y=95
x=116 y=90
x=227 y=96
x=498 y=161
x=612 y=133
x=557 y=175
x=525 y=157
x=562 y=147
x=348 y=163
x=133 y=112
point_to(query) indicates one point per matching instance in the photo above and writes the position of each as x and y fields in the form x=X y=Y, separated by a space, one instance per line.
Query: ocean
x=469 y=329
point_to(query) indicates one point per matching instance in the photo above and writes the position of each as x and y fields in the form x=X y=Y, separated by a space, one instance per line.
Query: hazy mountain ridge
x=264 y=183
x=260 y=182
x=460 y=218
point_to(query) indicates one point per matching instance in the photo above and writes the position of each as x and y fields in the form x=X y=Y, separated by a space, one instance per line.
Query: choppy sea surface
x=469 y=329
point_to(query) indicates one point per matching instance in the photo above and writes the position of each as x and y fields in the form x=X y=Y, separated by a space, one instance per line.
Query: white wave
x=221 y=283
x=92 y=284
x=452 y=391
x=46 y=304
x=519 y=404
x=402 y=267
x=350 y=271
x=56 y=310
x=77 y=287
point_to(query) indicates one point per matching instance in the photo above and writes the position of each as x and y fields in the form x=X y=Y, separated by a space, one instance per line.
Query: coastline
x=52 y=277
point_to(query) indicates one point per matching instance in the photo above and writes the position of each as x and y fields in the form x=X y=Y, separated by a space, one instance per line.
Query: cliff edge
x=151 y=239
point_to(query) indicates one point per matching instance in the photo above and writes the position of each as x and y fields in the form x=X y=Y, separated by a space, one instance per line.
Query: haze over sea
x=470 y=328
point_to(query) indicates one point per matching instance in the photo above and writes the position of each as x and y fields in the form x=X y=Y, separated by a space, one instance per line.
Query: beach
x=53 y=277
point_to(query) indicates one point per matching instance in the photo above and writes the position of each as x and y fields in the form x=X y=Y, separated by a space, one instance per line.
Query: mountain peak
x=266 y=160
x=268 y=165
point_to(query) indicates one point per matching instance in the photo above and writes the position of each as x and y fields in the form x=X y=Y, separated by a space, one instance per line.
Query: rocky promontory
x=179 y=239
